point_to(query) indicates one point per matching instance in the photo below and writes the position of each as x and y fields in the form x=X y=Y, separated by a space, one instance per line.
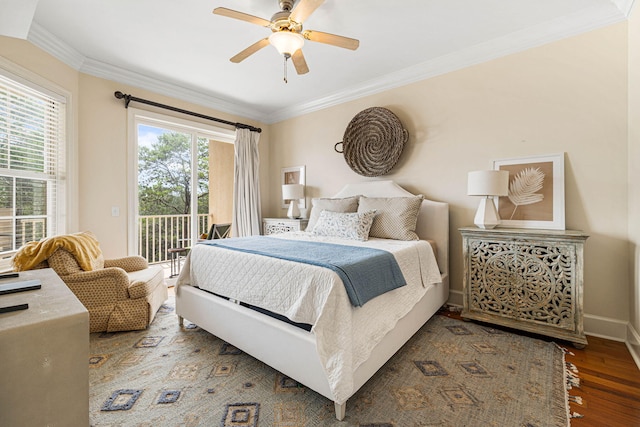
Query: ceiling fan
x=287 y=35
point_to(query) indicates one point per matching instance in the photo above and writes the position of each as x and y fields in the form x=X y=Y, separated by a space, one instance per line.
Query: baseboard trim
x=455 y=298
x=605 y=327
x=633 y=343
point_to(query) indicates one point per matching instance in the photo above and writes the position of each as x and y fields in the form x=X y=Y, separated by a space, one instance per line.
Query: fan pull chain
x=285 y=68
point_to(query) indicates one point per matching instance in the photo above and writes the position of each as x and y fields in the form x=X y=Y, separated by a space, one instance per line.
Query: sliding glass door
x=171 y=187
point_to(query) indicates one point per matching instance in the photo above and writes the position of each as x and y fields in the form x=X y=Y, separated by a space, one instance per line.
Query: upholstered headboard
x=433 y=218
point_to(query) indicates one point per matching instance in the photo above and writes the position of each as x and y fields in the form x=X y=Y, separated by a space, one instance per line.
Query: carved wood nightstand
x=282 y=225
x=526 y=279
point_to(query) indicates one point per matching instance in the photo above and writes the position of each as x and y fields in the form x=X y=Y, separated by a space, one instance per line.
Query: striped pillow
x=396 y=217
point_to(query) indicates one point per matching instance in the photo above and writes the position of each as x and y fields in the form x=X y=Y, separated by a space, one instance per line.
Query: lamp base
x=294 y=211
x=487 y=215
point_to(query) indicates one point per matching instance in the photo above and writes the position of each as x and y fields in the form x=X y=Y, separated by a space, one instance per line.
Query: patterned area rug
x=451 y=373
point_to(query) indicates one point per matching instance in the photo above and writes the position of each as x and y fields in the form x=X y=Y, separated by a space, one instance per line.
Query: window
x=32 y=141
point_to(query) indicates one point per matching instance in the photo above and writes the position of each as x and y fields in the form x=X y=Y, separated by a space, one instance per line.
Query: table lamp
x=487 y=184
x=293 y=193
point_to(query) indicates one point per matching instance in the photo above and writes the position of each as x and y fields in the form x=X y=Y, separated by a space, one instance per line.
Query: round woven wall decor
x=373 y=141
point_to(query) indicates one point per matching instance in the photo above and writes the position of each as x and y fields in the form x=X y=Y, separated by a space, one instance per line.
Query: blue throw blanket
x=365 y=272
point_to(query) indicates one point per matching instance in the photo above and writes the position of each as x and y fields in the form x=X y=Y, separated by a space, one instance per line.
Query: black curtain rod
x=129 y=98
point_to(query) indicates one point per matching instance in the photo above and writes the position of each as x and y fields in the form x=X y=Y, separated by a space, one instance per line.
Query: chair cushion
x=143 y=282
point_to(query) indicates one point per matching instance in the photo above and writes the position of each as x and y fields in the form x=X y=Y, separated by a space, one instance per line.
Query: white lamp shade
x=488 y=183
x=292 y=191
x=286 y=42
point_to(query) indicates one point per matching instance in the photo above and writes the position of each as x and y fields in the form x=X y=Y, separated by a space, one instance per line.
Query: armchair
x=120 y=294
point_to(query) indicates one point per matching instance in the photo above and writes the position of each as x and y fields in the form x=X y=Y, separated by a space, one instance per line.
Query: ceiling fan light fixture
x=286 y=42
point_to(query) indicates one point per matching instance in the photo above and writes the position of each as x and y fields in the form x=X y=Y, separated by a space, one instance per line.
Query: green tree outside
x=164 y=176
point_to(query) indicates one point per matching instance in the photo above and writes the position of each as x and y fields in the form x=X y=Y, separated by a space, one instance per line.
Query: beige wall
x=634 y=176
x=221 y=167
x=569 y=96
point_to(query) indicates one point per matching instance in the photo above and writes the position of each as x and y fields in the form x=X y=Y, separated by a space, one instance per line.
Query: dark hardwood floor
x=609 y=385
x=609 y=382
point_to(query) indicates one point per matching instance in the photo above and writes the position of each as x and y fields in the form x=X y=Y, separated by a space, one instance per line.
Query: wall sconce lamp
x=293 y=193
x=487 y=184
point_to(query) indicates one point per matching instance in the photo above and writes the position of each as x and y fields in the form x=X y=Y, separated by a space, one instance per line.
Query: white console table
x=44 y=356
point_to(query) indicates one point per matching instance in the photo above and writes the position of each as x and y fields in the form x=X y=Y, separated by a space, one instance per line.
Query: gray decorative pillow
x=348 y=204
x=396 y=217
x=349 y=225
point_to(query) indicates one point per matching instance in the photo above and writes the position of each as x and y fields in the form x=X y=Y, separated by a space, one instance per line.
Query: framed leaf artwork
x=536 y=192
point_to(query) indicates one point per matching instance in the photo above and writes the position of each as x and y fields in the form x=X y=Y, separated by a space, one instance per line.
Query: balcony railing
x=158 y=233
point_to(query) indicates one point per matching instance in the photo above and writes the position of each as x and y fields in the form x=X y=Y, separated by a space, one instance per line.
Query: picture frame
x=294 y=175
x=536 y=192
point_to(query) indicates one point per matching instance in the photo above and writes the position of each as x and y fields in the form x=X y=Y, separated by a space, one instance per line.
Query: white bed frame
x=291 y=350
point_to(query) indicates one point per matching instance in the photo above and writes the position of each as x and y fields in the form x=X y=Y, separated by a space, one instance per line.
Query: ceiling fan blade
x=241 y=16
x=299 y=62
x=304 y=9
x=250 y=50
x=332 y=39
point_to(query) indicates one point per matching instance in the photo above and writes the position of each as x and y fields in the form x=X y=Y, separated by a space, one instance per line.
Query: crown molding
x=550 y=31
x=51 y=44
x=553 y=30
x=168 y=88
x=55 y=47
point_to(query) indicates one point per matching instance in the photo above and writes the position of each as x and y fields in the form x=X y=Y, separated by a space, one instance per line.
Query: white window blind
x=32 y=141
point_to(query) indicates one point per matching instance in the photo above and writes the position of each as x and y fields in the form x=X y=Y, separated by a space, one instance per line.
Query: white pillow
x=396 y=216
x=347 y=204
x=354 y=226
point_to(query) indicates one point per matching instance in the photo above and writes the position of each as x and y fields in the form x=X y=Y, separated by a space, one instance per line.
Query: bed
x=331 y=358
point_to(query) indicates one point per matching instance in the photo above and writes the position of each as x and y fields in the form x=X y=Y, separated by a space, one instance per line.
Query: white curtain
x=246 y=186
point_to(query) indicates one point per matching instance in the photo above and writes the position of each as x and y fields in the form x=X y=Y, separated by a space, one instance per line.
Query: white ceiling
x=179 y=48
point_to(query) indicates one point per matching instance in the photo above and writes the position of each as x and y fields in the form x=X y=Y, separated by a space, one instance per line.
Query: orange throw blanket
x=83 y=246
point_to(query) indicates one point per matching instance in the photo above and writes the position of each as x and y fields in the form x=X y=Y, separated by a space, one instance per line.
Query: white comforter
x=345 y=335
